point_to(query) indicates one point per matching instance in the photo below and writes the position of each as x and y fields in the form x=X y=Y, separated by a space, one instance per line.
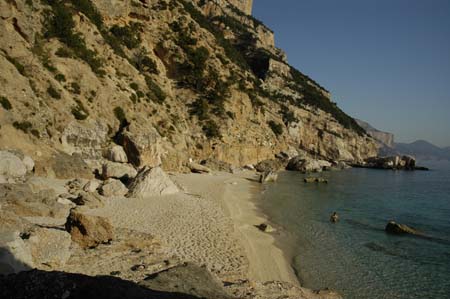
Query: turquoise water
x=355 y=256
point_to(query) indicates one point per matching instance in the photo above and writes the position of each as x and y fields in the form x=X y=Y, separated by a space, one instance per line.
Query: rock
x=73 y=186
x=267 y=228
x=269 y=165
x=91 y=186
x=88 y=231
x=15 y=256
x=151 y=182
x=11 y=166
x=217 y=165
x=189 y=279
x=398 y=229
x=85 y=138
x=118 y=171
x=117 y=154
x=392 y=162
x=197 y=168
x=113 y=187
x=315 y=180
x=90 y=200
x=49 y=247
x=3 y=180
x=40 y=208
x=305 y=164
x=29 y=163
x=64 y=166
x=269 y=176
x=141 y=144
x=249 y=167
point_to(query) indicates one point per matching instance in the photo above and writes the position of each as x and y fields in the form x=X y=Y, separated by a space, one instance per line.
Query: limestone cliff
x=167 y=79
x=385 y=138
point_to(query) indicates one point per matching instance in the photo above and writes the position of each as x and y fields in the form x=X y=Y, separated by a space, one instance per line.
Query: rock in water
x=11 y=165
x=151 y=182
x=305 y=164
x=315 y=180
x=88 y=231
x=117 y=154
x=113 y=187
x=399 y=229
x=264 y=227
x=269 y=176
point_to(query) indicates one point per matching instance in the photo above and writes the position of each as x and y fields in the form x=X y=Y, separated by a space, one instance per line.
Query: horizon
x=387 y=63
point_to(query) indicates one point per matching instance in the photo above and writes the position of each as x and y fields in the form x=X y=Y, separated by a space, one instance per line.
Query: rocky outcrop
x=385 y=138
x=394 y=162
x=151 y=182
x=305 y=164
x=87 y=230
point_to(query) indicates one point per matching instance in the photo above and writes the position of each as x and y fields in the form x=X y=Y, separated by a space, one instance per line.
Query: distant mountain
x=386 y=139
x=423 y=150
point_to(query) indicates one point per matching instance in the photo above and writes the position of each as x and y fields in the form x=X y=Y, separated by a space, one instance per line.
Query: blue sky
x=385 y=61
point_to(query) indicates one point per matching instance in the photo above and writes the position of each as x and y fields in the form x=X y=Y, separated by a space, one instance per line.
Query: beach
x=211 y=223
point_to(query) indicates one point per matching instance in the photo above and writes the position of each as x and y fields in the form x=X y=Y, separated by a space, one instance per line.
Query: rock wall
x=385 y=138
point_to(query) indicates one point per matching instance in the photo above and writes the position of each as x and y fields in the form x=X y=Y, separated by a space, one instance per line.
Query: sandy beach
x=211 y=222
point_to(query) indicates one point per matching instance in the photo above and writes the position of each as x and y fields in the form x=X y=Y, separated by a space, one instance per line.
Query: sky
x=385 y=61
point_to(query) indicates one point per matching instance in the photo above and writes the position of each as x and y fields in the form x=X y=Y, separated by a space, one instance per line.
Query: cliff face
x=169 y=80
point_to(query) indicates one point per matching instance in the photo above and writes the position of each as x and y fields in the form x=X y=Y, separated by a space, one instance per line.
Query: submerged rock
x=315 y=180
x=398 y=229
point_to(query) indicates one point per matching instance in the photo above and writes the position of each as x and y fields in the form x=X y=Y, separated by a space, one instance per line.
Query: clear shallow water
x=355 y=256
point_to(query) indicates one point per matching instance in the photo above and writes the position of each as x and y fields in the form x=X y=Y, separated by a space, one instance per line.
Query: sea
x=355 y=256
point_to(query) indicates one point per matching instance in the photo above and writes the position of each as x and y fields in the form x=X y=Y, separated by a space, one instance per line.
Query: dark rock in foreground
x=37 y=284
x=400 y=229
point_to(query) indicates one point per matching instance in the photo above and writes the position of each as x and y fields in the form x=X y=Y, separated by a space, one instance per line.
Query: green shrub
x=276 y=127
x=24 y=126
x=79 y=111
x=288 y=115
x=20 y=68
x=60 y=78
x=156 y=93
x=53 y=93
x=134 y=86
x=75 y=88
x=211 y=129
x=128 y=35
x=200 y=108
x=64 y=53
x=6 y=104
x=120 y=114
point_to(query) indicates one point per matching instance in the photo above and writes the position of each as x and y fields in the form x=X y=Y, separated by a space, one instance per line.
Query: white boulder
x=151 y=182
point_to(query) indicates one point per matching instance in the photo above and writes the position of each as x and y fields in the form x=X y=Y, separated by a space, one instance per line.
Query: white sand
x=212 y=223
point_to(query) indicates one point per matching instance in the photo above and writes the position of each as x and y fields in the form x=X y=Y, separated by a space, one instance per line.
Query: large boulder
x=64 y=166
x=399 y=229
x=15 y=255
x=198 y=168
x=304 y=164
x=91 y=186
x=118 y=171
x=50 y=248
x=91 y=200
x=113 y=187
x=86 y=138
x=117 y=154
x=11 y=166
x=151 y=182
x=87 y=230
x=269 y=165
x=268 y=176
x=141 y=144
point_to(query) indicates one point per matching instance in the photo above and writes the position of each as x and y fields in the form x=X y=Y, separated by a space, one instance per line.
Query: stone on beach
x=151 y=182
x=87 y=230
x=198 y=168
x=117 y=154
x=118 y=171
x=267 y=228
x=113 y=187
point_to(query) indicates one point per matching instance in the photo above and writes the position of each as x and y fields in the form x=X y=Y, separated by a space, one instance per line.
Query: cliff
x=168 y=80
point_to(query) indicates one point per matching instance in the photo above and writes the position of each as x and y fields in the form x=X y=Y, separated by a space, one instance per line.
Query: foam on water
x=356 y=256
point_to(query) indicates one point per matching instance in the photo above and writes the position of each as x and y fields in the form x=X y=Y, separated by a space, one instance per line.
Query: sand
x=212 y=223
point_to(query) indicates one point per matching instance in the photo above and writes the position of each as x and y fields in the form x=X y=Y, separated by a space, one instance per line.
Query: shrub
x=75 y=88
x=24 y=126
x=63 y=52
x=127 y=35
x=20 y=68
x=60 y=78
x=276 y=127
x=6 y=104
x=53 y=93
x=211 y=129
x=79 y=111
x=156 y=92
x=134 y=86
x=120 y=114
